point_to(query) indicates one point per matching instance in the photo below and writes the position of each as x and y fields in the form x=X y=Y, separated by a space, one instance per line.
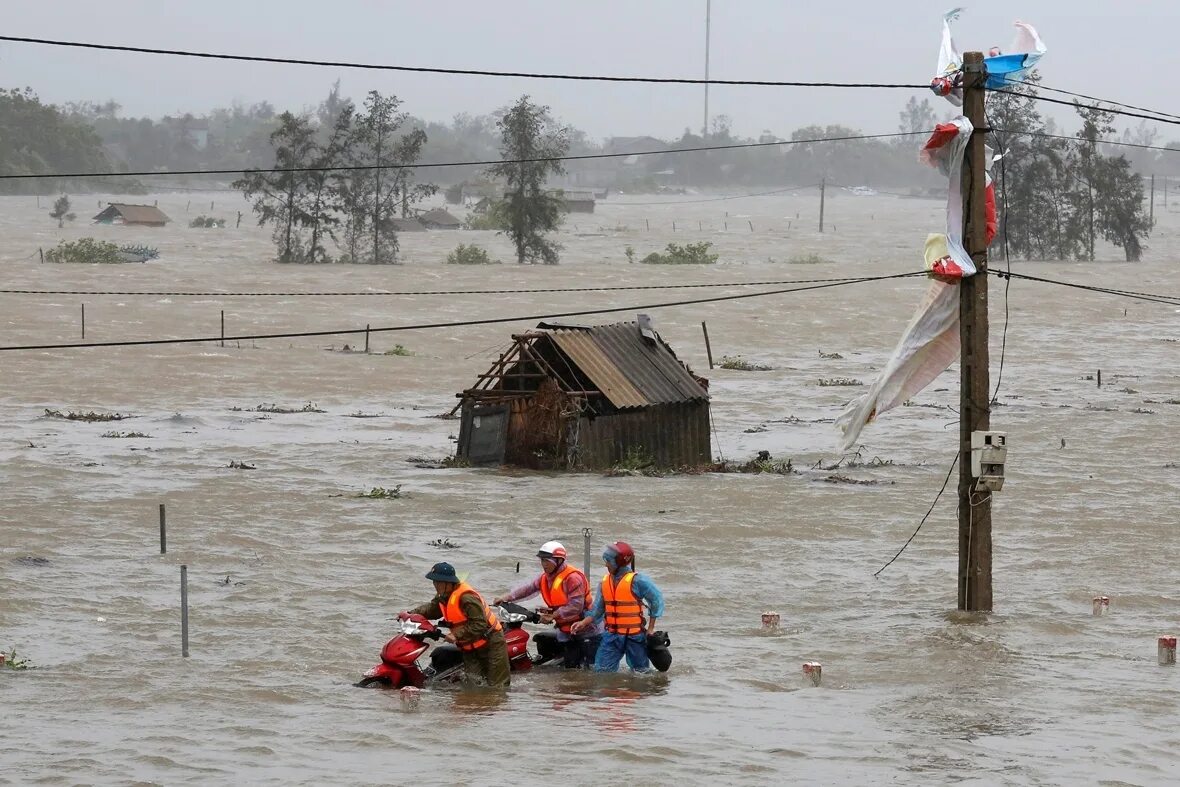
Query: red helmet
x=625 y=555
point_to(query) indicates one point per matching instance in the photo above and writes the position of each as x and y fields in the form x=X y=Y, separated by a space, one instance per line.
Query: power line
x=454 y=71
x=460 y=323
x=1169 y=300
x=721 y=199
x=485 y=163
x=1092 y=98
x=1110 y=142
x=914 y=535
x=394 y=293
x=1086 y=106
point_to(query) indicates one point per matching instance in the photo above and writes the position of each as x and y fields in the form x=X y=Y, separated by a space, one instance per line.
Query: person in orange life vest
x=474 y=629
x=566 y=593
x=619 y=604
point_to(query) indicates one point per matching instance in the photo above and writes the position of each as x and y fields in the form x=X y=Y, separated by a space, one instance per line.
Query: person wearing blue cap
x=475 y=630
x=620 y=604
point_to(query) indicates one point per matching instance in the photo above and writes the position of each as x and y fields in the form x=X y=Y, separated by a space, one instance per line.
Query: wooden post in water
x=586 y=533
x=1152 y=215
x=1099 y=378
x=708 y=347
x=83 y=322
x=366 y=338
x=188 y=205
x=211 y=205
x=184 y=611
x=751 y=226
x=163 y=532
x=823 y=189
x=975 y=508
x=41 y=251
x=239 y=224
x=223 y=327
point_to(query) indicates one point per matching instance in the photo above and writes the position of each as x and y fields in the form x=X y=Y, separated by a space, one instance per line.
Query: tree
x=317 y=212
x=371 y=198
x=61 y=211
x=916 y=117
x=531 y=145
x=278 y=196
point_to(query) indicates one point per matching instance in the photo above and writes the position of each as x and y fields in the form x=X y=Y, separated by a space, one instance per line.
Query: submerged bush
x=689 y=254
x=470 y=255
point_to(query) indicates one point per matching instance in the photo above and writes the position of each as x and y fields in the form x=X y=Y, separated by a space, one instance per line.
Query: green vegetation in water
x=808 y=259
x=398 y=350
x=11 y=660
x=764 y=463
x=465 y=254
x=836 y=382
x=89 y=417
x=207 y=222
x=381 y=493
x=635 y=460
x=123 y=435
x=89 y=250
x=830 y=356
x=740 y=364
x=688 y=254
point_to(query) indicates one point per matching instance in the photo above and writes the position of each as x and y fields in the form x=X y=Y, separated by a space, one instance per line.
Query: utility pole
x=975 y=508
x=708 y=25
x=823 y=188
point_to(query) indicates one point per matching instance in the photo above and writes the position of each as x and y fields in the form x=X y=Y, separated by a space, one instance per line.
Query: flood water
x=293 y=578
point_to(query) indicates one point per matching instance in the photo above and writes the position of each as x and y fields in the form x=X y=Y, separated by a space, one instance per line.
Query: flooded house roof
x=133 y=214
x=440 y=217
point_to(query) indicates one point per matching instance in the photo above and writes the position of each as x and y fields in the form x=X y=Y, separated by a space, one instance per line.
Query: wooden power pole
x=975 y=508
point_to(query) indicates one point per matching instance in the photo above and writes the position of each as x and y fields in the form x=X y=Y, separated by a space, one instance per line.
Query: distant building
x=575 y=201
x=439 y=219
x=132 y=215
x=580 y=397
x=197 y=135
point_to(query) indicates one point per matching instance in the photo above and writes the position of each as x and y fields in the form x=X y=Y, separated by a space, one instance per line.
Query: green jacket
x=476 y=626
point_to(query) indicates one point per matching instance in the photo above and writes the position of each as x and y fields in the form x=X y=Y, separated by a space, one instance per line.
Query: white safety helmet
x=552 y=549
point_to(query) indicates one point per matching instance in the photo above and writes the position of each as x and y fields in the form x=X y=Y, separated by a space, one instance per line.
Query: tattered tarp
x=1003 y=70
x=930 y=342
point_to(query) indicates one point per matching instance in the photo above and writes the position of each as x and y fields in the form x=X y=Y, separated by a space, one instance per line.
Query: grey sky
x=1126 y=50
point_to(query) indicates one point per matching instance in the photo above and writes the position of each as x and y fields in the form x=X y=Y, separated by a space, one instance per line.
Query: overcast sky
x=1128 y=50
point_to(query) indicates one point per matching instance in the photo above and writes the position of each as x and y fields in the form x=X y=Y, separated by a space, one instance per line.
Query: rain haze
x=261 y=372
x=1097 y=47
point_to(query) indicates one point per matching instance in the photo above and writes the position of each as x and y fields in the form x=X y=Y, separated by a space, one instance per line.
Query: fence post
x=708 y=347
x=163 y=532
x=83 y=322
x=184 y=611
x=586 y=533
x=366 y=338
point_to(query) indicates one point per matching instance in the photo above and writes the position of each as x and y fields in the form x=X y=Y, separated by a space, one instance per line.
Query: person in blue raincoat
x=628 y=604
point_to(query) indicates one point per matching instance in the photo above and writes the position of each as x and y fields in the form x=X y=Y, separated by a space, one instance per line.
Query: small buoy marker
x=770 y=620
x=813 y=673
x=1101 y=605
x=1167 y=647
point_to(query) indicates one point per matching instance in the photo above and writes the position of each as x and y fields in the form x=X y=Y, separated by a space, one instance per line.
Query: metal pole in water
x=163 y=532
x=586 y=533
x=184 y=611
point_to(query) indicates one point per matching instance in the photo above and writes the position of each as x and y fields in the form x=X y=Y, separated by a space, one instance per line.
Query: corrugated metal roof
x=631 y=372
x=139 y=214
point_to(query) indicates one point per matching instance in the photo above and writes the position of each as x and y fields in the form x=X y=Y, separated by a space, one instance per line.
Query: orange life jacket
x=454 y=615
x=624 y=612
x=553 y=591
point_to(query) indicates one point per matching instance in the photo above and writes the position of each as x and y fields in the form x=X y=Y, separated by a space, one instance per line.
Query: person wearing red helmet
x=566 y=593
x=622 y=599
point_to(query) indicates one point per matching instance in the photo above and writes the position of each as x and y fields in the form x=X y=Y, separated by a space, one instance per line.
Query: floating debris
x=125 y=435
x=310 y=407
x=835 y=382
x=381 y=493
x=443 y=543
x=88 y=417
x=29 y=560
x=236 y=465
x=830 y=356
x=740 y=364
x=843 y=479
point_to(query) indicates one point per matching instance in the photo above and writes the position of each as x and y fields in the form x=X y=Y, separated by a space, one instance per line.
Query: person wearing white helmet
x=568 y=597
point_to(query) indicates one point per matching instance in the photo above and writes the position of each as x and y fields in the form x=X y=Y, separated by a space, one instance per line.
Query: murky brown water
x=1039 y=692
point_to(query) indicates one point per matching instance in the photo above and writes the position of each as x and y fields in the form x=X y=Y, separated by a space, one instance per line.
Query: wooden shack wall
x=674 y=435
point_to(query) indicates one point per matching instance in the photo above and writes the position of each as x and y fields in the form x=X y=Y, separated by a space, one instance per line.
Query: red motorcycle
x=399 y=658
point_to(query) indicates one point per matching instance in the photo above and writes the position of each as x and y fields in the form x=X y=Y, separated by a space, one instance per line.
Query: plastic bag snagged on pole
x=1003 y=70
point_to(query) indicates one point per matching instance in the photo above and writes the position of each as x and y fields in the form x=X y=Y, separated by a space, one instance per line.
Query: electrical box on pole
x=989 y=454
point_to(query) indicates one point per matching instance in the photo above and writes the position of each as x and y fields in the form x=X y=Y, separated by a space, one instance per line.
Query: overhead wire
x=453 y=71
x=1016 y=82
x=394 y=293
x=1063 y=102
x=457 y=323
x=480 y=163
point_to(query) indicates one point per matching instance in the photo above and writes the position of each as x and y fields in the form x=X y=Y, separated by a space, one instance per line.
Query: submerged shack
x=586 y=397
x=132 y=215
